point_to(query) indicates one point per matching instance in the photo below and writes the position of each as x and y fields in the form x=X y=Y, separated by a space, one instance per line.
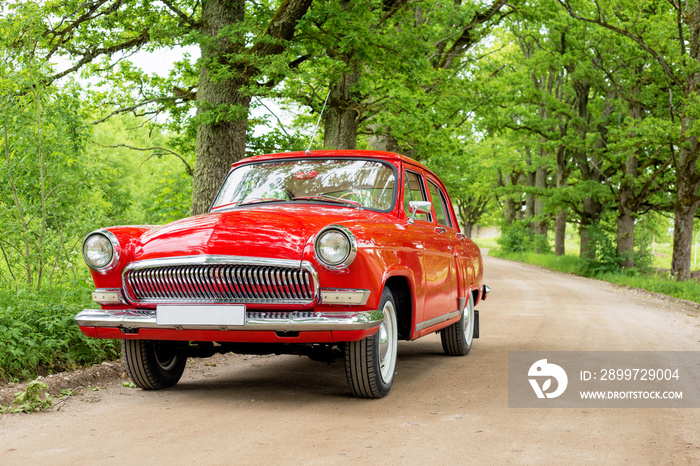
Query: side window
x=414 y=191
x=440 y=205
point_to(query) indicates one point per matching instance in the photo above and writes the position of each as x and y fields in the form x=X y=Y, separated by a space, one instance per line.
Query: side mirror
x=419 y=207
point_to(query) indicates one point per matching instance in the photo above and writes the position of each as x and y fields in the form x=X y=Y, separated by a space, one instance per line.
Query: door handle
x=461 y=236
x=440 y=230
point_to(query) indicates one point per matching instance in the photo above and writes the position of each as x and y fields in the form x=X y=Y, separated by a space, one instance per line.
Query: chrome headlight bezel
x=349 y=255
x=112 y=242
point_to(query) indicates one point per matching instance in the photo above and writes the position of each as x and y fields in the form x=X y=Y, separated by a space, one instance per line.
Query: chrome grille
x=221 y=283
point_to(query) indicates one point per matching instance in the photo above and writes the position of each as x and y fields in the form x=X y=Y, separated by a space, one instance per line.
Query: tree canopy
x=540 y=113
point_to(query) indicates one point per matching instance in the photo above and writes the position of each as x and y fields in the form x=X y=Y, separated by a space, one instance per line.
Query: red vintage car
x=331 y=254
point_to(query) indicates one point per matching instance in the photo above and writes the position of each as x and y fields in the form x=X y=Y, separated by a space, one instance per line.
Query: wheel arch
x=402 y=291
x=476 y=294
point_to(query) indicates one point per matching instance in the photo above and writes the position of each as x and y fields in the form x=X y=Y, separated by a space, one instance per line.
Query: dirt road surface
x=449 y=410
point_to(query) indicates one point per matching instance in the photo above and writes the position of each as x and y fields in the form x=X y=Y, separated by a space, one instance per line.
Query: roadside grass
x=486 y=243
x=38 y=335
x=650 y=280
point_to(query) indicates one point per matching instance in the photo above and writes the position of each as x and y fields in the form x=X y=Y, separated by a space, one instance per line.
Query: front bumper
x=296 y=321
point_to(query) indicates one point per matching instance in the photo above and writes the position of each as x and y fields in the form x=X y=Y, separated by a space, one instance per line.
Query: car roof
x=366 y=154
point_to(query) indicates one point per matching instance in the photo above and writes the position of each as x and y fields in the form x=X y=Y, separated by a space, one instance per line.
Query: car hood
x=278 y=231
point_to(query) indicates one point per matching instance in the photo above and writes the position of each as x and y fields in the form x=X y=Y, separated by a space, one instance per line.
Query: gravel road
x=290 y=410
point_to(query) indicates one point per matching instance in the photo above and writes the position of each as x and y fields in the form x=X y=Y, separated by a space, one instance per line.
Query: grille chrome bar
x=220 y=279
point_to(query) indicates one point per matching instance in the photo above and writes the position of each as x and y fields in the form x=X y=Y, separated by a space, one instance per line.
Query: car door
x=437 y=255
x=444 y=247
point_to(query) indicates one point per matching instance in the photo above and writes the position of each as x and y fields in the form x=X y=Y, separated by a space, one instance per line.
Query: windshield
x=353 y=183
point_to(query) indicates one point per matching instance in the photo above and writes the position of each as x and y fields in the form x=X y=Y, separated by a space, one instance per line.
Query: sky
x=161 y=61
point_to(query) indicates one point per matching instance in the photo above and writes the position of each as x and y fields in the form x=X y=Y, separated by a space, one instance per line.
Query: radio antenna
x=308 y=149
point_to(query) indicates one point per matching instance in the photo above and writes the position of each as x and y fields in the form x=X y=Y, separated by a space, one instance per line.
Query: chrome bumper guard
x=255 y=320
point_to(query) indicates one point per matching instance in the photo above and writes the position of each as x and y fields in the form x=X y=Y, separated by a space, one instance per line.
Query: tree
x=239 y=43
x=230 y=71
x=669 y=34
x=44 y=175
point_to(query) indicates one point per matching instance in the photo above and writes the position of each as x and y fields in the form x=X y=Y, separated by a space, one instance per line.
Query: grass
x=658 y=282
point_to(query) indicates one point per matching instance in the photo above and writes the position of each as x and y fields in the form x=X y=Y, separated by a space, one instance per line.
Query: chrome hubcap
x=468 y=322
x=387 y=343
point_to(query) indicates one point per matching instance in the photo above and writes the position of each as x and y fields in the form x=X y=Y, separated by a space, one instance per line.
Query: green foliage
x=634 y=278
x=142 y=177
x=516 y=238
x=547 y=114
x=30 y=400
x=44 y=179
x=519 y=237
x=606 y=258
x=38 y=334
x=567 y=264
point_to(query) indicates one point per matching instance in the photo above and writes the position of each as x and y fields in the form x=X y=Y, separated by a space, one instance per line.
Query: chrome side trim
x=461 y=303
x=255 y=320
x=436 y=320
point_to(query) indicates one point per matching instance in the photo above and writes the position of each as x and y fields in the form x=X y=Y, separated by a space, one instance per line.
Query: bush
x=38 y=334
x=606 y=259
x=519 y=237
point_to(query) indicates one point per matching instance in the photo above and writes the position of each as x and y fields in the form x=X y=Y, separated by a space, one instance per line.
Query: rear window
x=442 y=213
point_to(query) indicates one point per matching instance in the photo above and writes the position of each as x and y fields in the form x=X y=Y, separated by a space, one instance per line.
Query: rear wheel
x=370 y=363
x=153 y=365
x=457 y=338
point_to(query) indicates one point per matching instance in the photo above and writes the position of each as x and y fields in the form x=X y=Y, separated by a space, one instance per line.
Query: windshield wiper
x=261 y=200
x=324 y=197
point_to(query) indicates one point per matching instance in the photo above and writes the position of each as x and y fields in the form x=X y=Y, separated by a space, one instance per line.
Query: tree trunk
x=684 y=210
x=530 y=196
x=560 y=233
x=592 y=207
x=687 y=180
x=223 y=103
x=221 y=140
x=509 y=204
x=560 y=225
x=541 y=221
x=468 y=229
x=380 y=141
x=340 y=120
x=589 y=220
x=625 y=218
x=627 y=200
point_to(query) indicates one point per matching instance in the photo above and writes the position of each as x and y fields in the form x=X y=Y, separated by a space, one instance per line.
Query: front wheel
x=457 y=338
x=153 y=365
x=370 y=363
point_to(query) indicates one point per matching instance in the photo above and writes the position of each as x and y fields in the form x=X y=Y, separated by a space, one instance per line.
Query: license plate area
x=216 y=315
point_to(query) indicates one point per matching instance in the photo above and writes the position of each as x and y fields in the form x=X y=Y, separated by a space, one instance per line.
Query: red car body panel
x=440 y=267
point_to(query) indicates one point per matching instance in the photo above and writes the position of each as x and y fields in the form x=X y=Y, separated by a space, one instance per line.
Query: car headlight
x=100 y=250
x=335 y=247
